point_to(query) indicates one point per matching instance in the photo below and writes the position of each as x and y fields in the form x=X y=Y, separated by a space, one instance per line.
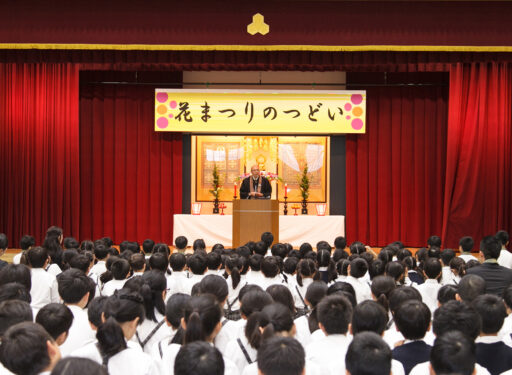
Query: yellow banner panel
x=260 y=112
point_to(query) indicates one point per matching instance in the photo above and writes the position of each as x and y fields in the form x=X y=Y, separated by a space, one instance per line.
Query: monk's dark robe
x=262 y=185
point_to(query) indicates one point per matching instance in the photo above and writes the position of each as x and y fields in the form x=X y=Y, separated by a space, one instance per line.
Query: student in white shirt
x=307 y=272
x=101 y=253
x=505 y=258
x=334 y=316
x=177 y=281
x=197 y=265
x=122 y=314
x=198 y=357
x=56 y=319
x=283 y=353
x=147 y=247
x=447 y=276
x=315 y=293
x=271 y=272
x=453 y=353
x=368 y=354
x=120 y=270
x=357 y=269
x=28 y=349
x=44 y=287
x=214 y=263
x=52 y=243
x=138 y=264
x=236 y=282
x=254 y=275
x=202 y=322
x=465 y=246
x=74 y=289
x=429 y=289
x=152 y=286
x=16 y=273
x=26 y=243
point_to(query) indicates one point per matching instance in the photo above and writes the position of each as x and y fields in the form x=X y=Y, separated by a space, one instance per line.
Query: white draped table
x=292 y=229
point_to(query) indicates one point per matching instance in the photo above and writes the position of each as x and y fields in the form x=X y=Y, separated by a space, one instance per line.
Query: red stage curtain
x=131 y=176
x=395 y=172
x=478 y=173
x=39 y=157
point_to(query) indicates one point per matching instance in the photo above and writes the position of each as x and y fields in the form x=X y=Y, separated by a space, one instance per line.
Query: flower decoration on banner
x=268 y=175
x=216 y=183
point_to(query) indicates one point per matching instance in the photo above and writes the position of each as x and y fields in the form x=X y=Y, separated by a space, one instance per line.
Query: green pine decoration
x=216 y=188
x=304 y=183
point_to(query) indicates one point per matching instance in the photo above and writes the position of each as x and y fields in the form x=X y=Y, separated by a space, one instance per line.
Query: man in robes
x=255 y=186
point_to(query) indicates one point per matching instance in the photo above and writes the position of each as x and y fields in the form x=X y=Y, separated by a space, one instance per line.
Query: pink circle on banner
x=162 y=122
x=173 y=104
x=162 y=97
x=348 y=117
x=348 y=107
x=357 y=124
x=356 y=98
x=171 y=115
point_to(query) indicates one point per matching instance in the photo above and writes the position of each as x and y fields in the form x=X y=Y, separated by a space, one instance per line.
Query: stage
x=292 y=229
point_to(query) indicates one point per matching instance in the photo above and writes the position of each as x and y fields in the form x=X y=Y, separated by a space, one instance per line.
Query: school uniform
x=265 y=282
x=310 y=369
x=362 y=289
x=316 y=335
x=303 y=334
x=506 y=329
x=329 y=349
x=91 y=351
x=254 y=277
x=17 y=258
x=99 y=268
x=424 y=369
x=54 y=269
x=338 y=367
x=505 y=258
x=392 y=336
x=412 y=353
x=80 y=332
x=229 y=331
x=111 y=286
x=177 y=282
x=493 y=354
x=415 y=277
x=132 y=361
x=299 y=293
x=467 y=257
x=447 y=276
x=150 y=332
x=191 y=281
x=241 y=352
x=44 y=288
x=233 y=302
x=428 y=291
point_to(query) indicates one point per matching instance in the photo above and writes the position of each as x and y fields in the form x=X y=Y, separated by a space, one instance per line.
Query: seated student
x=26 y=243
x=120 y=270
x=453 y=353
x=16 y=273
x=458 y=268
x=27 y=348
x=56 y=319
x=465 y=246
x=412 y=319
x=431 y=286
x=236 y=281
x=505 y=257
x=197 y=266
x=470 y=287
x=368 y=354
x=315 y=293
x=201 y=322
x=152 y=286
x=254 y=275
x=412 y=271
x=270 y=270
x=446 y=293
x=281 y=356
x=199 y=358
x=14 y=291
x=147 y=247
x=44 y=288
x=447 y=276
x=138 y=264
x=267 y=238
x=491 y=352
x=180 y=243
x=74 y=289
x=173 y=315
x=334 y=317
x=199 y=245
x=357 y=269
x=78 y=366
x=381 y=289
x=506 y=329
x=213 y=263
x=496 y=277
x=307 y=273
x=177 y=281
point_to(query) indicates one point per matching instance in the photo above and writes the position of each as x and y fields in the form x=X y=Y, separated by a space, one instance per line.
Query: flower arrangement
x=216 y=183
x=304 y=181
x=268 y=175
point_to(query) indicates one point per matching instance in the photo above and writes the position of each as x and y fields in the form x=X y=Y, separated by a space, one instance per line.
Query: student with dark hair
x=334 y=316
x=368 y=354
x=235 y=280
x=13 y=312
x=340 y=243
x=446 y=293
x=213 y=263
x=56 y=319
x=357 y=247
x=159 y=262
x=26 y=242
x=470 y=287
x=152 y=286
x=120 y=270
x=177 y=281
x=281 y=356
x=81 y=262
x=505 y=257
x=44 y=289
x=14 y=291
x=52 y=244
x=16 y=273
x=254 y=275
x=307 y=273
x=326 y=266
x=453 y=353
x=270 y=269
x=28 y=349
x=447 y=276
x=458 y=269
x=199 y=245
x=434 y=242
x=101 y=253
x=138 y=264
x=147 y=246
x=491 y=352
x=197 y=266
x=199 y=358
x=459 y=316
x=414 y=276
x=412 y=319
x=369 y=316
x=78 y=366
x=267 y=238
x=74 y=289
x=357 y=269
x=465 y=246
x=381 y=288
x=496 y=277
x=396 y=270
x=429 y=289
x=180 y=243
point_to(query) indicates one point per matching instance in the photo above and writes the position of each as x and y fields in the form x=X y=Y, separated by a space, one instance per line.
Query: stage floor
x=292 y=229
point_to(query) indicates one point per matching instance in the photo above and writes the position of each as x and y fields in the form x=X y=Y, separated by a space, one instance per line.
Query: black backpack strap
x=160 y=350
x=224 y=322
x=104 y=359
x=242 y=347
x=151 y=334
x=300 y=295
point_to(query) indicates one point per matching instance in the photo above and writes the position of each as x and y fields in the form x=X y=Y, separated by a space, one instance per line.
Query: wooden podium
x=252 y=217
